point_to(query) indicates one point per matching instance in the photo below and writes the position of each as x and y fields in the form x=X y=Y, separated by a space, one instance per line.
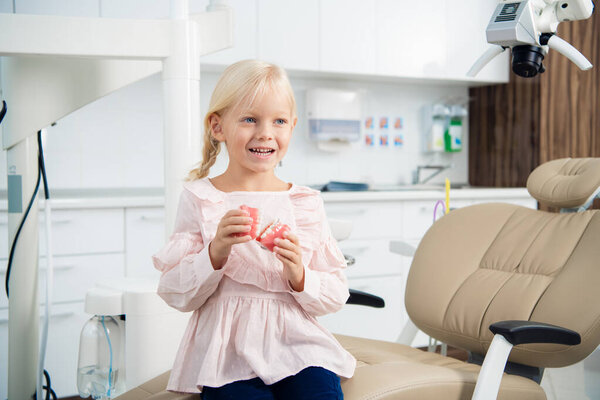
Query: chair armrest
x=522 y=332
x=506 y=335
x=365 y=299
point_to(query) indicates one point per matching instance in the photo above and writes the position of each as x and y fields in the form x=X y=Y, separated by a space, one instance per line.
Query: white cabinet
x=348 y=37
x=144 y=236
x=466 y=22
x=288 y=33
x=372 y=258
x=411 y=38
x=244 y=33
x=88 y=245
x=368 y=322
x=433 y=39
x=370 y=219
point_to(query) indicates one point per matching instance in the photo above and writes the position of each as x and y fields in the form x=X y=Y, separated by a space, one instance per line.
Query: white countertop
x=154 y=197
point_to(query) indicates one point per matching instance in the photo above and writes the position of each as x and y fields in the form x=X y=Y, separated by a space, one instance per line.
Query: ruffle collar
x=205 y=190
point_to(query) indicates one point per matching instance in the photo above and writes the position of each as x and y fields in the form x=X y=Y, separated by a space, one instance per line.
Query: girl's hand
x=288 y=252
x=234 y=221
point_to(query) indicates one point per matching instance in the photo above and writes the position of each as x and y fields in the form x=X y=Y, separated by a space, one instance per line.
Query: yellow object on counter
x=447 y=195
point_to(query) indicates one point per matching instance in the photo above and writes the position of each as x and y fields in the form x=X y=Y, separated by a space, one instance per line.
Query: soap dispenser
x=454 y=132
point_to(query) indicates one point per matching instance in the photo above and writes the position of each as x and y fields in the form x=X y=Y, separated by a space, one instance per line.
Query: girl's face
x=256 y=135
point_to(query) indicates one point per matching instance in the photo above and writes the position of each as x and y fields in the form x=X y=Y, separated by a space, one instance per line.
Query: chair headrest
x=566 y=182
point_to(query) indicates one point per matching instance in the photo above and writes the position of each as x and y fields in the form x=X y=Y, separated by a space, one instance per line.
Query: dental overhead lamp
x=528 y=27
x=54 y=65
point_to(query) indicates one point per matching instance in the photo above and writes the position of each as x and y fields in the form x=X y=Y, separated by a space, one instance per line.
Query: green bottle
x=453 y=133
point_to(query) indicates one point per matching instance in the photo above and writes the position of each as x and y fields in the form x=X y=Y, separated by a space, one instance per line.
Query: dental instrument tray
x=336 y=186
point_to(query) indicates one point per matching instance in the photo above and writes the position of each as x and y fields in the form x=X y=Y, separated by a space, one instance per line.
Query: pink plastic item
x=255 y=215
x=273 y=231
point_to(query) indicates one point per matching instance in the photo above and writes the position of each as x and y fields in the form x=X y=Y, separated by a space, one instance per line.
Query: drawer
x=371 y=220
x=73 y=276
x=144 y=235
x=84 y=231
x=368 y=322
x=373 y=257
x=418 y=216
x=75 y=232
x=62 y=351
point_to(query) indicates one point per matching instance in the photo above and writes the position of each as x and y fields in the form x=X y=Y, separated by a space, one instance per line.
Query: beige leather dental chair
x=475 y=267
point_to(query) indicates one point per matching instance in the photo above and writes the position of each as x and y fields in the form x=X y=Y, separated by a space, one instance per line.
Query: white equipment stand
x=151 y=331
x=52 y=66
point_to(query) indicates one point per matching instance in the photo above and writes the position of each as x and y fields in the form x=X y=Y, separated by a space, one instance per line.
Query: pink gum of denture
x=275 y=230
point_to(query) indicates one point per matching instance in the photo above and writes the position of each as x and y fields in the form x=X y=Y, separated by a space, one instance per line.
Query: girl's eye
x=280 y=121
x=249 y=120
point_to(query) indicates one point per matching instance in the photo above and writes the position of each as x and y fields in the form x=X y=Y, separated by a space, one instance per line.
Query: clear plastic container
x=100 y=358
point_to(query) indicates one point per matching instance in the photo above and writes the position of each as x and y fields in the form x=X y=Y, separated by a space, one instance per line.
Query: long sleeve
x=188 y=278
x=325 y=284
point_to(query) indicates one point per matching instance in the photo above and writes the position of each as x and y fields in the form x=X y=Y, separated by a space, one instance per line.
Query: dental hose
x=110 y=362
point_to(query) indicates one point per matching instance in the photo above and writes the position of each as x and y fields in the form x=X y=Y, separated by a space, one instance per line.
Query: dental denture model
x=255 y=228
x=274 y=231
x=267 y=236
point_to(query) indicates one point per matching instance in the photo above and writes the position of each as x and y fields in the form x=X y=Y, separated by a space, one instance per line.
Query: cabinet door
x=411 y=38
x=244 y=33
x=63 y=346
x=348 y=38
x=466 y=22
x=89 y=231
x=145 y=235
x=73 y=276
x=372 y=258
x=367 y=322
x=371 y=220
x=288 y=33
x=62 y=349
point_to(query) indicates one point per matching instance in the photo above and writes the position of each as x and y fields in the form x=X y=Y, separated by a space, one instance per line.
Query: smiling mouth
x=262 y=152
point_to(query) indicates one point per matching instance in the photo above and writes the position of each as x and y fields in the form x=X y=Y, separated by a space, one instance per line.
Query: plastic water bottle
x=99 y=358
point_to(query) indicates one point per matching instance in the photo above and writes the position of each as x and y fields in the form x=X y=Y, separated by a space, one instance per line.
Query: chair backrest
x=493 y=262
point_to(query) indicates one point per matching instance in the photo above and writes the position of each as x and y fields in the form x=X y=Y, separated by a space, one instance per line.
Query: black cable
x=42 y=165
x=3 y=112
x=14 y=243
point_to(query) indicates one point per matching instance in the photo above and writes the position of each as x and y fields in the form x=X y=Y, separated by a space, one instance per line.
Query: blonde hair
x=240 y=83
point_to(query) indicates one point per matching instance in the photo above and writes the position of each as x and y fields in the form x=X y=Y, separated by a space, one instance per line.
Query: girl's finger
x=230 y=229
x=230 y=240
x=291 y=237
x=290 y=255
x=237 y=220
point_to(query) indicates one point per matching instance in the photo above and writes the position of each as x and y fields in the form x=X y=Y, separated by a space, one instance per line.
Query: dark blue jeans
x=312 y=383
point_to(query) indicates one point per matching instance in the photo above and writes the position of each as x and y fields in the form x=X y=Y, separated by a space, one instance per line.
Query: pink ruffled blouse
x=248 y=322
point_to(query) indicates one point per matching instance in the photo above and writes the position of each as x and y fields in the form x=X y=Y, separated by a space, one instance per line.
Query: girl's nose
x=264 y=132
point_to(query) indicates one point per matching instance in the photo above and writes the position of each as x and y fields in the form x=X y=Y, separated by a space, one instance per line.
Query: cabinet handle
x=61 y=221
x=349 y=260
x=151 y=218
x=360 y=211
x=59 y=267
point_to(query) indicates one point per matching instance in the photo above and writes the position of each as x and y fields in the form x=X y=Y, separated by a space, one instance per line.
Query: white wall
x=116 y=142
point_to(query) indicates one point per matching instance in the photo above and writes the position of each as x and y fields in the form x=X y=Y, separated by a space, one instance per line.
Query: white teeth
x=262 y=151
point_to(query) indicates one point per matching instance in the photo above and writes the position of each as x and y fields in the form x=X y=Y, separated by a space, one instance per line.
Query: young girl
x=253 y=333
